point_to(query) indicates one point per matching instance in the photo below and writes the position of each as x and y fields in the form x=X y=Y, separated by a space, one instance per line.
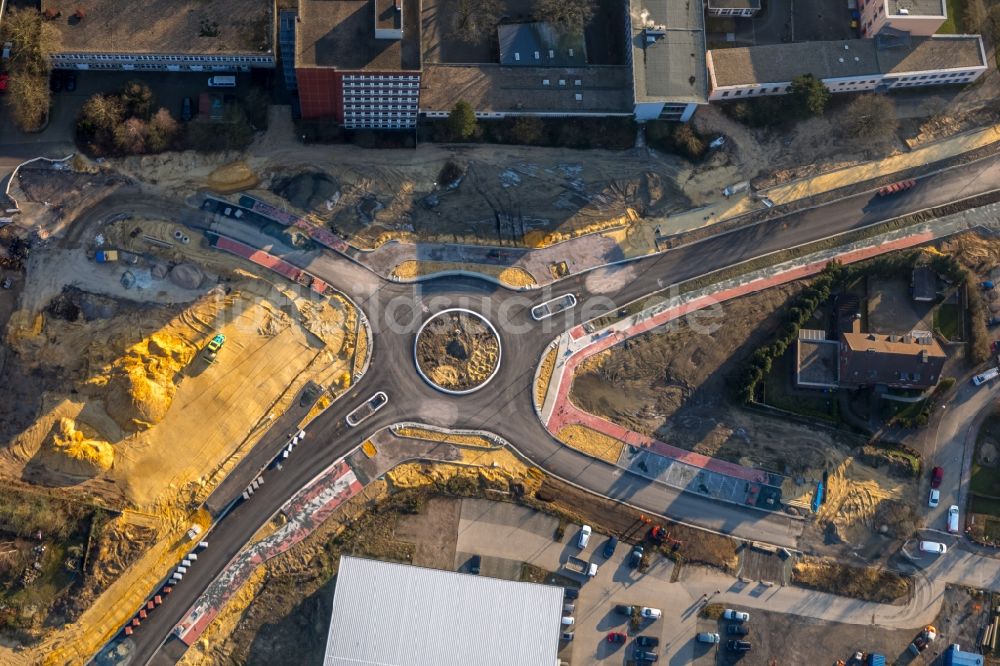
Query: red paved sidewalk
x=566 y=413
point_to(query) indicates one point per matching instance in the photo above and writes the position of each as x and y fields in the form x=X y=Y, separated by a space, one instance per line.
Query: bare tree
x=869 y=117
x=163 y=130
x=474 y=20
x=130 y=136
x=974 y=19
x=32 y=40
x=28 y=99
x=569 y=15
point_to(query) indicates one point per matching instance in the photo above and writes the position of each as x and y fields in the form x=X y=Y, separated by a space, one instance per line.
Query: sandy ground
x=591 y=442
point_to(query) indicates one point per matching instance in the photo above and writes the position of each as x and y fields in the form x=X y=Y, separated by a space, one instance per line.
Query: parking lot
x=783 y=21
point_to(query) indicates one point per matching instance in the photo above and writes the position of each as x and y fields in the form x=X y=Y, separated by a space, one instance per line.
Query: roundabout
x=457 y=351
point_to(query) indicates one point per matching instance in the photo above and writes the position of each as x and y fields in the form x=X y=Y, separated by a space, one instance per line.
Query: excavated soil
x=457 y=351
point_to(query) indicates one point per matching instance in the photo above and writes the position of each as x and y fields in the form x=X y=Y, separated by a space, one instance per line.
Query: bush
x=461 y=123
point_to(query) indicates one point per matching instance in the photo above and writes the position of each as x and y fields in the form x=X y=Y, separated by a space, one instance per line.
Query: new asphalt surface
x=505 y=406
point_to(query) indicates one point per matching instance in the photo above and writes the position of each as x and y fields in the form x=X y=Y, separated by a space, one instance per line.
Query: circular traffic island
x=457 y=351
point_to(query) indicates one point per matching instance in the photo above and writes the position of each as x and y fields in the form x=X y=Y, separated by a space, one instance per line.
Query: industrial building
x=389 y=613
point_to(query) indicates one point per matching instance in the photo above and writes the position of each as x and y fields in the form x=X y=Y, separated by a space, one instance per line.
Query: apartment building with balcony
x=358 y=61
x=120 y=35
x=920 y=18
x=889 y=62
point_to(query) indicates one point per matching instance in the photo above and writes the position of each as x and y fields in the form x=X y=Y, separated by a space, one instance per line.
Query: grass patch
x=946 y=321
x=532 y=574
x=865 y=583
x=953 y=24
x=984 y=505
x=985 y=480
x=777 y=394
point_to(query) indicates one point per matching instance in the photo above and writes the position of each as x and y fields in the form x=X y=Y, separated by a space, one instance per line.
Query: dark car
x=70 y=81
x=737 y=630
x=640 y=655
x=636 y=559
x=571 y=592
x=475 y=563
x=55 y=80
x=617 y=637
x=609 y=546
x=647 y=641
x=738 y=646
x=936 y=475
x=186 y=113
x=623 y=609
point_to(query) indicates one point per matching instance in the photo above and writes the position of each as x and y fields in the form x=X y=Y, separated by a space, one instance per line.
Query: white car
x=735 y=615
x=708 y=638
x=651 y=613
x=584 y=539
x=568 y=621
x=953 y=519
x=933 y=547
x=934 y=499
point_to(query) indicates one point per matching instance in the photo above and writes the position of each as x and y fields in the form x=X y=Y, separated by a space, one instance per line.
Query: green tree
x=28 y=99
x=473 y=21
x=527 y=129
x=869 y=117
x=808 y=96
x=571 y=16
x=461 y=121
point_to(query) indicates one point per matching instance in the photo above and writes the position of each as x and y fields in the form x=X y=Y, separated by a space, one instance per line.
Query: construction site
x=115 y=407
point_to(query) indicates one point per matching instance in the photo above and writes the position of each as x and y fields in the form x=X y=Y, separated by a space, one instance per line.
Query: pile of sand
x=187 y=276
x=232 y=177
x=70 y=451
x=141 y=383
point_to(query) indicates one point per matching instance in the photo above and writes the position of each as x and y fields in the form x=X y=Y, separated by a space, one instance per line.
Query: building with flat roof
x=923 y=284
x=388 y=613
x=358 y=61
x=917 y=17
x=846 y=66
x=667 y=56
x=741 y=8
x=816 y=363
x=218 y=36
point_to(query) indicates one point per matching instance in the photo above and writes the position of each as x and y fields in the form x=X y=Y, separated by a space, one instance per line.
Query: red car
x=936 y=475
x=4 y=80
x=617 y=637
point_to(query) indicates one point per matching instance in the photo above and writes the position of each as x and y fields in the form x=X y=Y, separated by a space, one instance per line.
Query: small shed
x=954 y=656
x=924 y=284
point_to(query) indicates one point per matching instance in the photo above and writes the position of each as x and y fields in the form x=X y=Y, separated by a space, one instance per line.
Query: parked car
x=609 y=546
x=70 y=81
x=984 y=377
x=651 y=613
x=186 y=111
x=55 y=81
x=570 y=593
x=707 y=637
x=636 y=558
x=475 y=563
x=584 y=539
x=623 y=609
x=640 y=655
x=953 y=519
x=737 y=630
x=738 y=646
x=568 y=635
x=933 y=547
x=934 y=499
x=568 y=621
x=936 y=475
x=735 y=615
x=569 y=607
x=647 y=641
x=4 y=82
x=7 y=283
x=617 y=637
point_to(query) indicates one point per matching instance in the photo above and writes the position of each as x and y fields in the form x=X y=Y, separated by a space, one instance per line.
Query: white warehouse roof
x=388 y=614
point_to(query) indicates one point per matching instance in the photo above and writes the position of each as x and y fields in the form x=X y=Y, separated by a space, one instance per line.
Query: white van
x=981 y=379
x=933 y=547
x=222 y=82
x=953 y=519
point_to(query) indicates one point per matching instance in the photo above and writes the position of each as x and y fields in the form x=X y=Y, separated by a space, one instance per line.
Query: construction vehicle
x=212 y=348
x=106 y=256
x=923 y=640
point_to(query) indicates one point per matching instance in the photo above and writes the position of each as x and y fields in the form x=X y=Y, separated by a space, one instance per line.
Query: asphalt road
x=505 y=406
